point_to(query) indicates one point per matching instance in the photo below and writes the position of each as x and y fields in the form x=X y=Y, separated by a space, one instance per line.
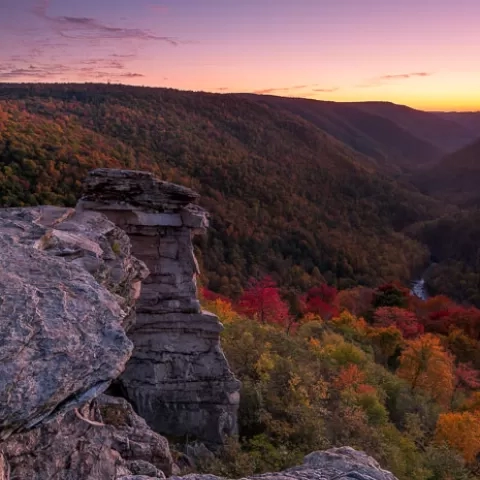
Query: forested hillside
x=393 y=148
x=446 y=132
x=456 y=177
x=285 y=197
x=377 y=369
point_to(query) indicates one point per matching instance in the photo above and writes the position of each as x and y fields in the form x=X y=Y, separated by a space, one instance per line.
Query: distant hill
x=285 y=196
x=393 y=147
x=456 y=177
x=469 y=120
x=443 y=131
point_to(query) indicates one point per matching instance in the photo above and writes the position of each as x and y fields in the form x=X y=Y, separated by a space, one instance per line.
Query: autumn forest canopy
x=322 y=215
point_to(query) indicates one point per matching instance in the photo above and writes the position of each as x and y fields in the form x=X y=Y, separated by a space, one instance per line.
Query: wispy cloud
x=405 y=76
x=87 y=28
x=325 y=90
x=54 y=71
x=307 y=88
x=280 y=90
x=384 y=79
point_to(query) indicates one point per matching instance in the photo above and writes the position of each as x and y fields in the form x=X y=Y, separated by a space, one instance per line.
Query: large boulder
x=67 y=287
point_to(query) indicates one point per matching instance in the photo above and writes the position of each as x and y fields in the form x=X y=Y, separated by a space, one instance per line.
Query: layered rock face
x=62 y=339
x=178 y=378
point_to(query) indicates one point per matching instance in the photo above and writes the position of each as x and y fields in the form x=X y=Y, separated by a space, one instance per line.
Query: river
x=419 y=289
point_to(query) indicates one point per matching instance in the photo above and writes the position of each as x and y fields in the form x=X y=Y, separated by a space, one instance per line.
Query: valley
x=303 y=190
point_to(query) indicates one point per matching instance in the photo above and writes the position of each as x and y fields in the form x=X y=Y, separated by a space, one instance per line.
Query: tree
x=349 y=377
x=390 y=295
x=386 y=342
x=461 y=431
x=319 y=301
x=261 y=300
x=356 y=300
x=443 y=321
x=404 y=320
x=428 y=368
x=466 y=377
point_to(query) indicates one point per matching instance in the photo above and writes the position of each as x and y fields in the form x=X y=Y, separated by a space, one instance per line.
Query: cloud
x=281 y=89
x=9 y=72
x=405 y=76
x=49 y=71
x=325 y=90
x=122 y=55
x=312 y=88
x=222 y=89
x=383 y=79
x=86 y=28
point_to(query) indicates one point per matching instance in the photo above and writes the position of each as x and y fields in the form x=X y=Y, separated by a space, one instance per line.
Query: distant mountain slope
x=393 y=147
x=444 y=132
x=469 y=120
x=285 y=197
x=456 y=177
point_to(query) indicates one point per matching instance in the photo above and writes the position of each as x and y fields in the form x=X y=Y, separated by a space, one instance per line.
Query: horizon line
x=212 y=92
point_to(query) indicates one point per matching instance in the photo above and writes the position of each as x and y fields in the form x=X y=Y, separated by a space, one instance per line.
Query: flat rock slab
x=136 y=188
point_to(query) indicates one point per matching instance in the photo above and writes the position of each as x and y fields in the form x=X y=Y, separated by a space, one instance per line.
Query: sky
x=422 y=53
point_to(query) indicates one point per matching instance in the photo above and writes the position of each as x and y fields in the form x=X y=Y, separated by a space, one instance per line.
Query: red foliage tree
x=466 y=377
x=261 y=300
x=319 y=301
x=211 y=296
x=404 y=320
x=466 y=319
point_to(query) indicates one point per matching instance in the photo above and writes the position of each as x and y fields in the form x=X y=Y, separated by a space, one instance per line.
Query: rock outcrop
x=105 y=440
x=68 y=285
x=62 y=339
x=343 y=463
x=178 y=378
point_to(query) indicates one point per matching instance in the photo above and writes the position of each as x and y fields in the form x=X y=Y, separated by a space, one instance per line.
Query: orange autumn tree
x=461 y=431
x=428 y=367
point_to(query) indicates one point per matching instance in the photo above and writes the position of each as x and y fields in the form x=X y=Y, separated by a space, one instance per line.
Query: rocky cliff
x=68 y=285
x=178 y=378
x=69 y=282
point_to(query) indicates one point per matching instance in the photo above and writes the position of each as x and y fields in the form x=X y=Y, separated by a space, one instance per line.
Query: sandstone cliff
x=178 y=378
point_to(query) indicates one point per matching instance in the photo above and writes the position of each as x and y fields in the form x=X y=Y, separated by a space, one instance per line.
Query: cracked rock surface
x=64 y=298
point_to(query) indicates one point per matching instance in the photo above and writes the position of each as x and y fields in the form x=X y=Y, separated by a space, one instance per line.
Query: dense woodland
x=308 y=192
x=377 y=369
x=320 y=213
x=286 y=198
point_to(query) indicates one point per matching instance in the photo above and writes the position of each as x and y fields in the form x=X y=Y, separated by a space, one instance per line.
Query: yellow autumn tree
x=428 y=367
x=460 y=431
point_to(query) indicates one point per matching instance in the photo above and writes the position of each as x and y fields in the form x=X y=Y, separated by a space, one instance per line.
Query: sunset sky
x=423 y=53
